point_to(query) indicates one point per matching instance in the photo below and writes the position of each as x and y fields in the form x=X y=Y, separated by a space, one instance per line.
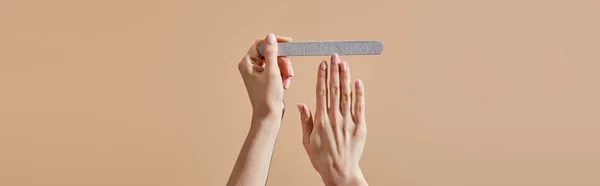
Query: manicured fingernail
x=271 y=38
x=336 y=58
x=291 y=70
x=323 y=65
x=300 y=109
x=306 y=111
x=287 y=83
x=359 y=84
x=344 y=66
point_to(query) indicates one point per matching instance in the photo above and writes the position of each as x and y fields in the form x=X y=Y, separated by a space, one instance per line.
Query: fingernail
x=344 y=66
x=301 y=110
x=291 y=70
x=336 y=58
x=306 y=111
x=323 y=65
x=359 y=84
x=271 y=38
x=287 y=83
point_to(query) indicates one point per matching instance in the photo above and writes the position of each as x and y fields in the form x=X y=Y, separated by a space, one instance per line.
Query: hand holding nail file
x=327 y=48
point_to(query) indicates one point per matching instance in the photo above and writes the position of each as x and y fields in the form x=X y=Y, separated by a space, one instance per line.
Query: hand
x=266 y=77
x=265 y=83
x=335 y=138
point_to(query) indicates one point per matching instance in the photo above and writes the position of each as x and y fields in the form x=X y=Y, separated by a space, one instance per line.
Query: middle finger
x=334 y=85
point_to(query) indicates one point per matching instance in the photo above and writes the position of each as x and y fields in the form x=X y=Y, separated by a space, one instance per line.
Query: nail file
x=327 y=48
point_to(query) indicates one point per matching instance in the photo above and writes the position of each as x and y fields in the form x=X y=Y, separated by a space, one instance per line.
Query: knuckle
x=321 y=92
x=242 y=68
x=359 y=108
x=335 y=90
x=346 y=97
x=360 y=133
x=347 y=129
x=256 y=43
x=322 y=124
x=321 y=77
x=267 y=51
x=359 y=93
x=270 y=48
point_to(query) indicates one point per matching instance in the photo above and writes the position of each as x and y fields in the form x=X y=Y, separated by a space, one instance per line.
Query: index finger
x=322 y=89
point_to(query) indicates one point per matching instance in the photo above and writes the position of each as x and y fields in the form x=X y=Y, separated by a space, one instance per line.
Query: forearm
x=252 y=165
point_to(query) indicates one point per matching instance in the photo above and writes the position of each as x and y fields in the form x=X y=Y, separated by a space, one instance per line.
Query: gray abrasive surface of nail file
x=327 y=48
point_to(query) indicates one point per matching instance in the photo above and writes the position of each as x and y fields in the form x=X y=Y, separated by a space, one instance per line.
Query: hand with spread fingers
x=334 y=137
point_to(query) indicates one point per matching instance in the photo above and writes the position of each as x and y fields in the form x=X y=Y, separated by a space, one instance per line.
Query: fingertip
x=322 y=74
x=323 y=66
x=300 y=108
x=286 y=66
x=359 y=84
x=284 y=39
x=270 y=39
x=270 y=52
x=270 y=45
x=306 y=110
x=286 y=84
x=334 y=60
x=344 y=66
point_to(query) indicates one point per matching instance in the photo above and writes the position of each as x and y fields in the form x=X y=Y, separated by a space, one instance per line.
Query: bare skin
x=334 y=137
x=265 y=79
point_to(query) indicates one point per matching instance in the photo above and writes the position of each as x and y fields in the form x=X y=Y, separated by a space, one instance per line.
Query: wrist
x=268 y=107
x=347 y=182
x=266 y=122
x=266 y=114
x=351 y=179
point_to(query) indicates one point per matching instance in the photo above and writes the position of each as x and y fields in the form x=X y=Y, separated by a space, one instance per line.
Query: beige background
x=132 y=92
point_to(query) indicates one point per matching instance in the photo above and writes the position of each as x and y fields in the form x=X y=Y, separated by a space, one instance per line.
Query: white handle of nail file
x=327 y=48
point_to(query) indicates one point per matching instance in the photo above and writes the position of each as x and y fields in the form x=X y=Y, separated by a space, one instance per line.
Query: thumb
x=270 y=49
x=306 y=119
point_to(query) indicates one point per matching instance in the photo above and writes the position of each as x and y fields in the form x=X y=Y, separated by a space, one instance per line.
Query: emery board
x=327 y=48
